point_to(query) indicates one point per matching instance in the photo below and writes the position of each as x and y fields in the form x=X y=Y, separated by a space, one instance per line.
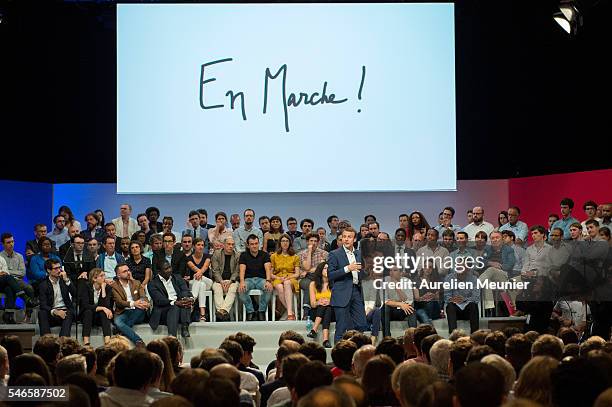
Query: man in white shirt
x=478 y=224
x=130 y=303
x=55 y=294
x=125 y=225
x=399 y=301
x=590 y=209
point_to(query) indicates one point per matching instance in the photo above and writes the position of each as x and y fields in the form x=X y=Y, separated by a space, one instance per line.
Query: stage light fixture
x=568 y=16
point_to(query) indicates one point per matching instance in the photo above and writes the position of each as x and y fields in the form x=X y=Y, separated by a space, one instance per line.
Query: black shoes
x=312 y=334
x=8 y=318
x=251 y=316
x=185 y=331
x=262 y=316
x=326 y=344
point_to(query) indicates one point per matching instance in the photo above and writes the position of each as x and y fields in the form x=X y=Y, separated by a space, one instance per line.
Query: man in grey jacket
x=225 y=273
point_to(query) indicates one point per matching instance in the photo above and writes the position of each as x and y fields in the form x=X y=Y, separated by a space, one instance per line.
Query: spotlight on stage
x=568 y=16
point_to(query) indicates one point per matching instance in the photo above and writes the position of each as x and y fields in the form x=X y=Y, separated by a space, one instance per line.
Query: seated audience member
x=242 y=233
x=95 y=305
x=310 y=258
x=399 y=305
x=59 y=234
x=427 y=344
x=34 y=246
x=227 y=371
x=462 y=303
x=11 y=289
x=29 y=363
x=199 y=275
x=234 y=221
x=478 y=224
x=313 y=351
x=248 y=380
x=505 y=368
x=323 y=244
x=353 y=389
x=575 y=230
x=111 y=231
x=497 y=341
x=55 y=293
x=566 y=206
x=12 y=345
x=308 y=377
x=130 y=303
x=225 y=274
x=176 y=353
x=124 y=248
x=130 y=389
x=432 y=249
x=142 y=238
x=156 y=377
x=518 y=351
x=410 y=381
x=16 y=267
x=203 y=213
x=547 y=345
x=196 y=230
x=320 y=296
x=125 y=225
x=499 y=261
x=439 y=356
x=188 y=380
x=479 y=384
x=420 y=333
x=69 y=365
x=376 y=381
x=171 y=253
x=104 y=354
x=342 y=356
x=36 y=267
x=139 y=265
x=285 y=269
x=66 y=212
x=93 y=230
x=327 y=396
x=580 y=381
x=255 y=273
x=93 y=248
x=447 y=221
x=448 y=240
x=166 y=376
x=145 y=229
x=478 y=352
x=427 y=298
x=167 y=225
x=246 y=362
x=292 y=228
x=272 y=236
x=153 y=215
x=219 y=233
x=77 y=261
x=172 y=302
x=109 y=258
x=458 y=354
x=534 y=382
x=571 y=314
x=408 y=343
x=155 y=245
x=299 y=242
x=509 y=240
x=360 y=358
x=516 y=226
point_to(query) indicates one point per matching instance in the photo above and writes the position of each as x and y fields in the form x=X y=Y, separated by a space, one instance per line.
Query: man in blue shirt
x=566 y=218
x=519 y=228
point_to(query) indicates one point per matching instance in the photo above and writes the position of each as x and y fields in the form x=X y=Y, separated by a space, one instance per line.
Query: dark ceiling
x=530 y=99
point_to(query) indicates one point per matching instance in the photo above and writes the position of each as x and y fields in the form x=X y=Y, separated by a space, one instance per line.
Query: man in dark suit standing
x=172 y=301
x=346 y=273
x=56 y=307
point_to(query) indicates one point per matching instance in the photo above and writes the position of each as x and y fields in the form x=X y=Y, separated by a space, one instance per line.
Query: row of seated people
x=420 y=368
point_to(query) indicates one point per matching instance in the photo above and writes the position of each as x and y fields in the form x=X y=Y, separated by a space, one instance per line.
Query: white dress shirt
x=351 y=258
x=172 y=296
x=128 y=294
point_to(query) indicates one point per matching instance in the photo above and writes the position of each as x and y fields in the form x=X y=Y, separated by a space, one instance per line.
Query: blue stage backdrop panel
x=23 y=205
x=491 y=194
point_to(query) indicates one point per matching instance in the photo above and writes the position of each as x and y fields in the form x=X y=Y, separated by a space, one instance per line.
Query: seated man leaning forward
x=130 y=303
x=172 y=301
x=255 y=274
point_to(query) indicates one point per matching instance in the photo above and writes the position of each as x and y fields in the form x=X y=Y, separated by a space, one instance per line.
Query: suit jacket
x=178 y=261
x=132 y=227
x=342 y=282
x=86 y=297
x=72 y=268
x=120 y=298
x=159 y=296
x=33 y=245
x=217 y=264
x=46 y=297
x=100 y=261
x=98 y=235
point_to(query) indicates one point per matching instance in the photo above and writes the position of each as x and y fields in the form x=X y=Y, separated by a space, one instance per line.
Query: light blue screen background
x=168 y=144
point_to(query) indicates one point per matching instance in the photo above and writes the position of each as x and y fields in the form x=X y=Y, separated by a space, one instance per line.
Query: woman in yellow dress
x=285 y=271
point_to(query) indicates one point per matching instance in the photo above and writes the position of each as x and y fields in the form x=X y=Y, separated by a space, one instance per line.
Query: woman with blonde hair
x=95 y=304
x=534 y=382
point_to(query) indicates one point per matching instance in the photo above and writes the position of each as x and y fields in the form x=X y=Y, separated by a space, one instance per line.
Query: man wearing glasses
x=56 y=293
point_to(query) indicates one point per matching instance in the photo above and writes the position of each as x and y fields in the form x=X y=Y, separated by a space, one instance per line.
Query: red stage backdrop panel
x=537 y=197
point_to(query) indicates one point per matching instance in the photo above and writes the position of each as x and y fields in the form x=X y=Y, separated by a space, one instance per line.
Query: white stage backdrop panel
x=387 y=206
x=230 y=98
